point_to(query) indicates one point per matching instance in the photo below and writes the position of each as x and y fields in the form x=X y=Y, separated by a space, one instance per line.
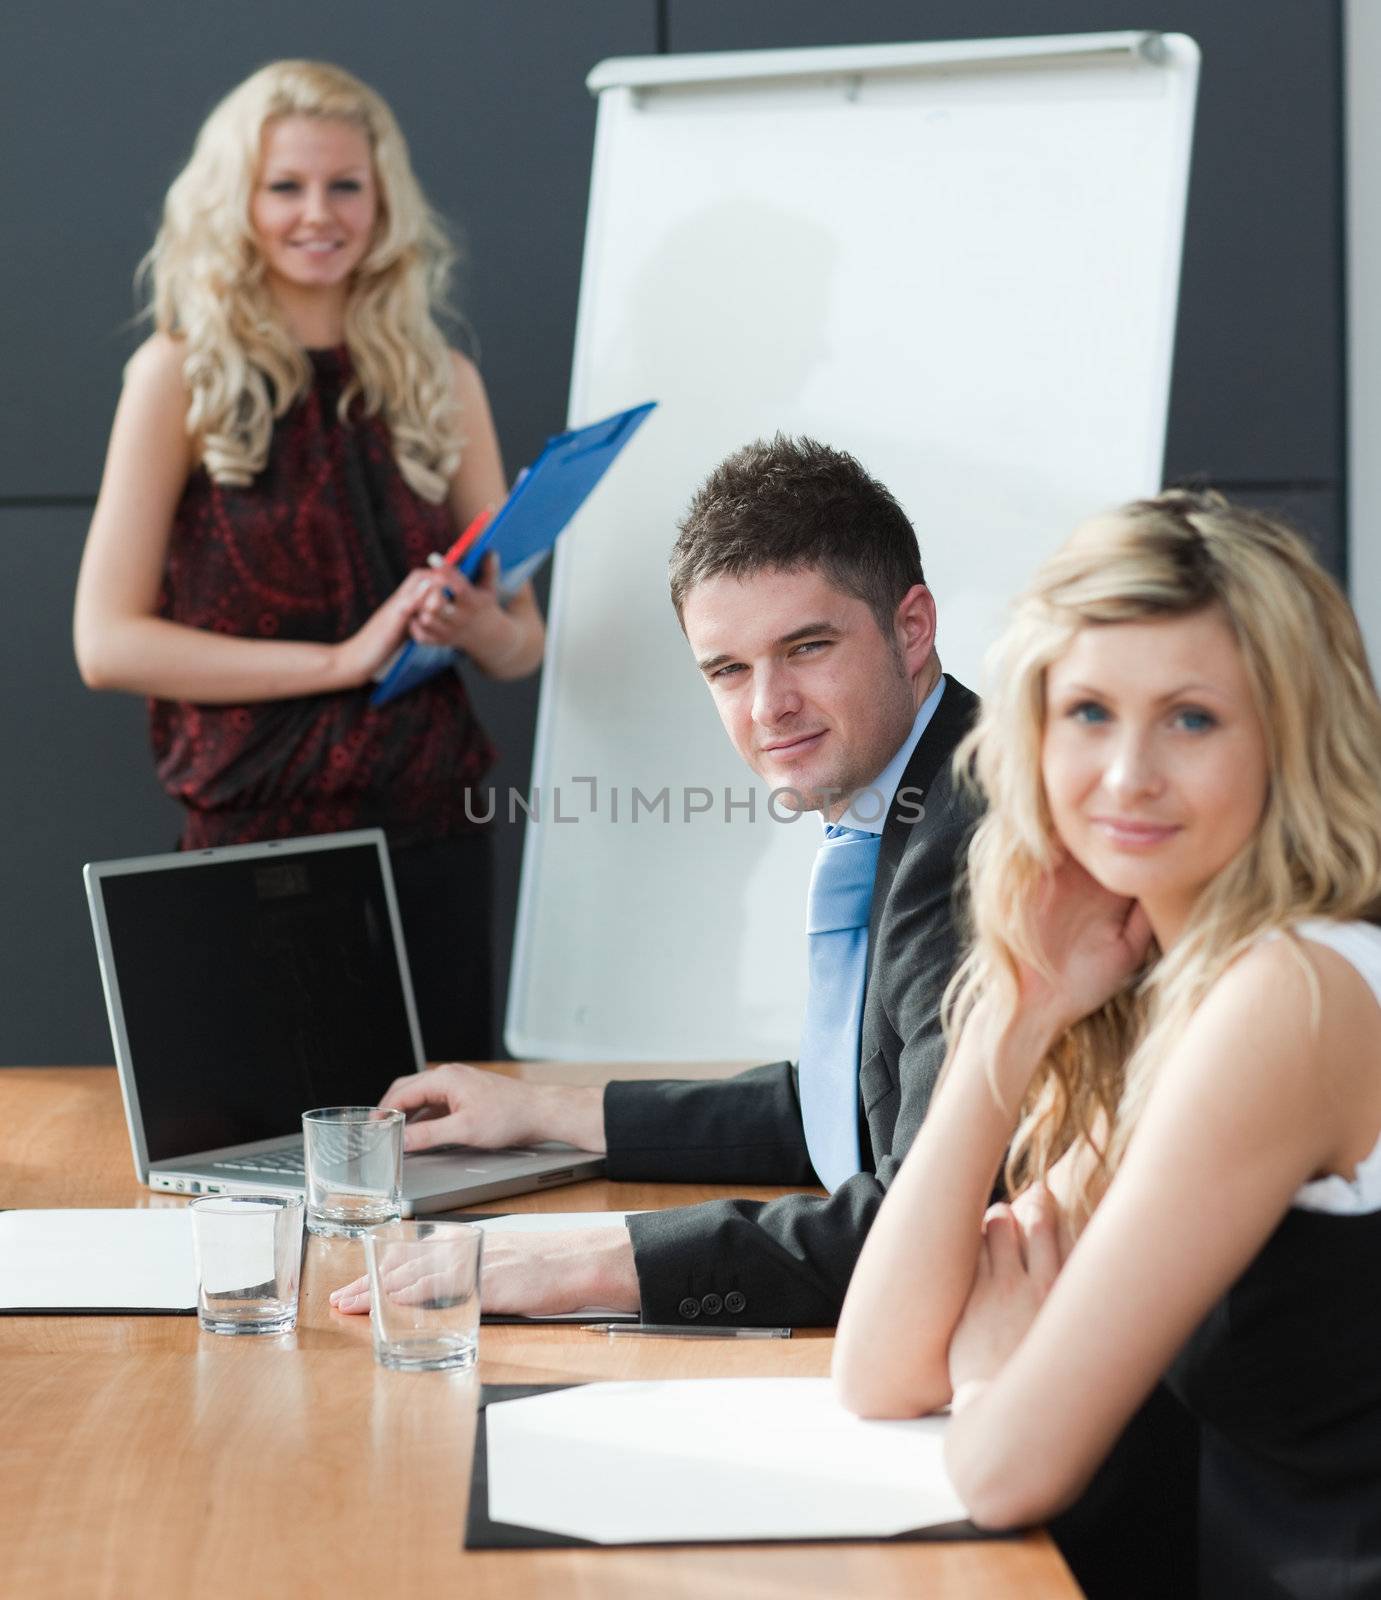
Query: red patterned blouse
x=319 y=540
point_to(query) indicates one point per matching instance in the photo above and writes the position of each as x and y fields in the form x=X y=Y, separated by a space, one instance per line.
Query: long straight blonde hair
x=242 y=366
x=1315 y=853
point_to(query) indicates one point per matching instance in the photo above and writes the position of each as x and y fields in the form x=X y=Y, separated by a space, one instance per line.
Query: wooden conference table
x=139 y=1456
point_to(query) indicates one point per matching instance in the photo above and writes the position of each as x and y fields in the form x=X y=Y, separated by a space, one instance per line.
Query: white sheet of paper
x=559 y=1222
x=713 y=1459
x=75 y=1260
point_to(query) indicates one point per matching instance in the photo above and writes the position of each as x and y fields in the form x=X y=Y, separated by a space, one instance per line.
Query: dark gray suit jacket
x=790 y=1260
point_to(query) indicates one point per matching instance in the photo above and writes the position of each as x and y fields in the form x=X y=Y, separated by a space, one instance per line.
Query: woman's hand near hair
x=121 y=642
x=919 y=1264
x=1092 y=940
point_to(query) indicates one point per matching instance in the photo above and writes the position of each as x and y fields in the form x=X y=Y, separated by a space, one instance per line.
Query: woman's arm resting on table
x=1254 y=1101
x=917 y=1267
x=121 y=643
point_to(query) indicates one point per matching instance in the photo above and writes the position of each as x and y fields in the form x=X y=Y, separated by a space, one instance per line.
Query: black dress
x=1285 y=1377
x=308 y=551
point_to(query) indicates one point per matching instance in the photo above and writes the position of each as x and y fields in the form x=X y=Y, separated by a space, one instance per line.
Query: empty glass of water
x=424 y=1281
x=248 y=1250
x=354 y=1161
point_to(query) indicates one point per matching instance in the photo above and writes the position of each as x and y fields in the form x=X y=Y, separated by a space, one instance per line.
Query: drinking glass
x=424 y=1281
x=354 y=1161
x=248 y=1250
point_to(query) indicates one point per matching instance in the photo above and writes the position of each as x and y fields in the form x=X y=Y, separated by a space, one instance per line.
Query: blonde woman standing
x=291 y=444
x=1171 y=1015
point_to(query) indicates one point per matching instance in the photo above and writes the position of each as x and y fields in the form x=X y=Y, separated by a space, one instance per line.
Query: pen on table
x=458 y=549
x=655 y=1330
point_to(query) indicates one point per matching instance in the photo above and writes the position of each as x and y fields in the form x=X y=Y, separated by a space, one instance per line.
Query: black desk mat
x=481 y=1532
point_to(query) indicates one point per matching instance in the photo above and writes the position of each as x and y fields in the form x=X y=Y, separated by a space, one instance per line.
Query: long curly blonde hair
x=1315 y=853
x=242 y=366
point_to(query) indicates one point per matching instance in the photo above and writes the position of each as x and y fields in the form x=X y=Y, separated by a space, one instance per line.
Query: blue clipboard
x=542 y=501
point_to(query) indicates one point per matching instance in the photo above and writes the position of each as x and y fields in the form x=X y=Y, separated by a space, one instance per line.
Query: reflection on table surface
x=138 y=1455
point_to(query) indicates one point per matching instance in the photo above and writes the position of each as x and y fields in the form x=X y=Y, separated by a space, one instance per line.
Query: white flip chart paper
x=958 y=261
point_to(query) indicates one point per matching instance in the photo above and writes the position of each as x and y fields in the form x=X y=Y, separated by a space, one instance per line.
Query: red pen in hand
x=458 y=549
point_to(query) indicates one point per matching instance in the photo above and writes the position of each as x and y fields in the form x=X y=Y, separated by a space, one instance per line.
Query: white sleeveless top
x=1359 y=944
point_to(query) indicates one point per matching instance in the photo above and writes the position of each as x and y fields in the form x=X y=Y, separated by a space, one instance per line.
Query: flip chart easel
x=958 y=261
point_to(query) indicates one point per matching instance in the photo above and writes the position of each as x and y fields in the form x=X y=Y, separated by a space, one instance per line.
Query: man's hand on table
x=536 y=1274
x=531 y=1273
x=455 y=1104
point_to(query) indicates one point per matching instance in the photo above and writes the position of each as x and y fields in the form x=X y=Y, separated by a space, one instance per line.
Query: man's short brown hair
x=788 y=504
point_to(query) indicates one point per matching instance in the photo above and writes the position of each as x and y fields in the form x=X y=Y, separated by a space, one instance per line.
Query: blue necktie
x=841 y=891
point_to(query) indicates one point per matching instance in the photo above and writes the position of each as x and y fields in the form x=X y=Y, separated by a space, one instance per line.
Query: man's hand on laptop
x=540 y=1274
x=455 y=1104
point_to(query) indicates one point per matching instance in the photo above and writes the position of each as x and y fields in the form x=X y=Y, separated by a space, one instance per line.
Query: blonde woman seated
x=292 y=444
x=1170 y=1012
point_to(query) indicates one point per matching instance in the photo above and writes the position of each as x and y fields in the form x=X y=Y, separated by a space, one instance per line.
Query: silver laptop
x=249 y=984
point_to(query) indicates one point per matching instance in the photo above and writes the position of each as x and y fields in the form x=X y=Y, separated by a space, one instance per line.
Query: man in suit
x=798 y=584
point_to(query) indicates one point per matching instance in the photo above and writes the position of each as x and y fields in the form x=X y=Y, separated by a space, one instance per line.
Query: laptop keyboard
x=280 y=1162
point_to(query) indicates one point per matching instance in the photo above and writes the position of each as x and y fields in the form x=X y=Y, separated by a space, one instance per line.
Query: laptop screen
x=254 y=986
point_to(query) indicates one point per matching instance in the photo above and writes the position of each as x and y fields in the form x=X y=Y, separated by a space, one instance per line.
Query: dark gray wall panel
x=98 y=106
x=1258 y=377
x=78 y=786
x=1311 y=512
x=98 y=109
x=509 y=711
